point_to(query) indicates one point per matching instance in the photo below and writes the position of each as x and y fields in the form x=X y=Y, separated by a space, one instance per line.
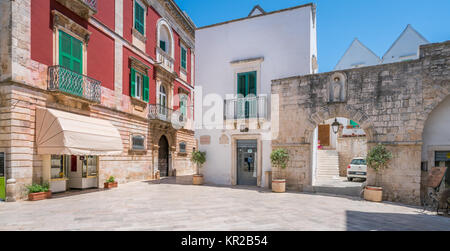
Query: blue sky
x=377 y=23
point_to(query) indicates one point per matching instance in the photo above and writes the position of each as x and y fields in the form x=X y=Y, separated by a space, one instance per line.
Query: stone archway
x=436 y=142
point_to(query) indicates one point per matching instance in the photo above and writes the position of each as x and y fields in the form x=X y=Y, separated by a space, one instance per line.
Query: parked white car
x=357 y=169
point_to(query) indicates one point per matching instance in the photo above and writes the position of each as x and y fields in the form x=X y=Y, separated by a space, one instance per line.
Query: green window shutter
x=242 y=84
x=252 y=83
x=65 y=50
x=183 y=58
x=139 y=17
x=162 y=45
x=146 y=89
x=133 y=83
x=77 y=56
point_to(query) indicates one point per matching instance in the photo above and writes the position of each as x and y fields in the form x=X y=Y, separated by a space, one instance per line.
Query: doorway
x=163 y=157
x=2 y=177
x=247 y=169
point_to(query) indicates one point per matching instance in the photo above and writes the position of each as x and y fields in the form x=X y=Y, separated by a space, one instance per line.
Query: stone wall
x=349 y=148
x=391 y=103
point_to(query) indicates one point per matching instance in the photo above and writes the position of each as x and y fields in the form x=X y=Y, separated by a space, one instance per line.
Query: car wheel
x=350 y=179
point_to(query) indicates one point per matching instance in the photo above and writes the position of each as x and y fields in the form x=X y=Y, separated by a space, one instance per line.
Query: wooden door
x=324 y=135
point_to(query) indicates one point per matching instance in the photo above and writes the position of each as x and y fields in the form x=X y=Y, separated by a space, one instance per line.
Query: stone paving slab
x=149 y=206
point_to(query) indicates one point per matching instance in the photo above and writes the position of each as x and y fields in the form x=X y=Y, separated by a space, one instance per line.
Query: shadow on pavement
x=363 y=221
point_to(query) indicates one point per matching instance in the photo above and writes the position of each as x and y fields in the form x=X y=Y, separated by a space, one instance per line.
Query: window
x=182 y=147
x=138 y=142
x=246 y=88
x=162 y=45
x=139 y=20
x=162 y=96
x=58 y=167
x=71 y=60
x=247 y=83
x=183 y=58
x=183 y=105
x=89 y=166
x=139 y=85
x=359 y=162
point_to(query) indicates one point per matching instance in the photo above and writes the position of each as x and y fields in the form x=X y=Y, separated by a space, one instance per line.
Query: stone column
x=46 y=166
x=11 y=190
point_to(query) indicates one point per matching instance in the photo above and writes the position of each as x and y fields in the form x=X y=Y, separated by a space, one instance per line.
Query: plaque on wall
x=205 y=140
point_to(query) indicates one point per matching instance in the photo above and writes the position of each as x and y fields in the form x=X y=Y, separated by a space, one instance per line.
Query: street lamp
x=335 y=126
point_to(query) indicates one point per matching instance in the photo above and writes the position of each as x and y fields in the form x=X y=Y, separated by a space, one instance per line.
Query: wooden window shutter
x=139 y=17
x=252 y=83
x=77 y=56
x=146 y=88
x=133 y=83
x=65 y=50
x=183 y=58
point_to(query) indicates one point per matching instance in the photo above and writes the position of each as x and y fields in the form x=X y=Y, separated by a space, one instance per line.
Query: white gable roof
x=406 y=46
x=257 y=10
x=357 y=55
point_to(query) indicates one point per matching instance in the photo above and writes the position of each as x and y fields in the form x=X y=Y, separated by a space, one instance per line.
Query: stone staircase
x=327 y=164
x=327 y=178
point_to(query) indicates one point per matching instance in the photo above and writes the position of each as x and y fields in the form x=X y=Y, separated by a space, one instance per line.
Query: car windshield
x=358 y=162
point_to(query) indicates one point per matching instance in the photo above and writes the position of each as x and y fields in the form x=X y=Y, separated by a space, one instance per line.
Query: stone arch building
x=391 y=103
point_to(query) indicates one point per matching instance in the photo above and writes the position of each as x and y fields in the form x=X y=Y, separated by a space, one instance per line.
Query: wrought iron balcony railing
x=159 y=112
x=91 y=3
x=246 y=108
x=83 y=8
x=67 y=81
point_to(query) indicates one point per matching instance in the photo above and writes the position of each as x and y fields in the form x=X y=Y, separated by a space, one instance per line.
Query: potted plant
x=279 y=159
x=37 y=192
x=377 y=159
x=46 y=188
x=198 y=158
x=111 y=183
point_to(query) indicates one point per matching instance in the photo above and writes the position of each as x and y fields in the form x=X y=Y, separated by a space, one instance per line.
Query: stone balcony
x=84 y=8
x=64 y=81
x=164 y=59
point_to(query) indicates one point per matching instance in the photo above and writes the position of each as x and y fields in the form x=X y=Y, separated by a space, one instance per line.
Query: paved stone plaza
x=169 y=206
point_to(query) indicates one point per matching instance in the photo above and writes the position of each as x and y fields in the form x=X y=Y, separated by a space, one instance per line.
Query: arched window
x=165 y=37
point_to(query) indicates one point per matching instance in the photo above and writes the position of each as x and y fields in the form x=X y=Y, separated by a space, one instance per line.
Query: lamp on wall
x=335 y=126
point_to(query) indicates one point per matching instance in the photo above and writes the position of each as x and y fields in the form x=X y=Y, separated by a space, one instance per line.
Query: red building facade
x=127 y=62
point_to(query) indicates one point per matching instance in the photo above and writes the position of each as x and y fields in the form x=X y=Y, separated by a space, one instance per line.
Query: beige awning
x=63 y=133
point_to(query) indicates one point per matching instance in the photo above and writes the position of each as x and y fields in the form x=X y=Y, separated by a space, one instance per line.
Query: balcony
x=164 y=59
x=61 y=79
x=246 y=108
x=84 y=8
x=175 y=118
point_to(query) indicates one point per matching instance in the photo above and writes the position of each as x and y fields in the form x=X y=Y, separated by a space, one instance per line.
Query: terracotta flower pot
x=197 y=180
x=374 y=194
x=279 y=186
x=37 y=196
x=109 y=185
x=49 y=194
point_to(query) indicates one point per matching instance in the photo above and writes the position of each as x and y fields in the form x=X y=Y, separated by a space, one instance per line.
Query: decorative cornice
x=60 y=20
x=139 y=65
x=179 y=22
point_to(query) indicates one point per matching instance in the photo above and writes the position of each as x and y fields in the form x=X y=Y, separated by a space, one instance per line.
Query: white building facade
x=405 y=47
x=236 y=62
